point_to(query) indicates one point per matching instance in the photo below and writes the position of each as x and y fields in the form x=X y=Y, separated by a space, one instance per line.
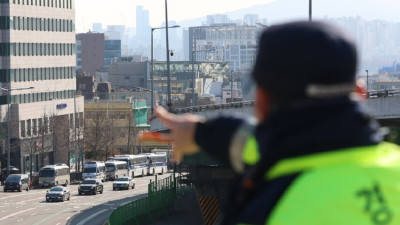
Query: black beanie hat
x=305 y=60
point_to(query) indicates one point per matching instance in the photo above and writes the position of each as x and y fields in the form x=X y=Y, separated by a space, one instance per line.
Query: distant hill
x=283 y=10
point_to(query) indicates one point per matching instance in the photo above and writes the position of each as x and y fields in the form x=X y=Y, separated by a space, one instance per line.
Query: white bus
x=157 y=163
x=94 y=169
x=140 y=166
x=137 y=164
x=126 y=158
x=54 y=175
x=115 y=169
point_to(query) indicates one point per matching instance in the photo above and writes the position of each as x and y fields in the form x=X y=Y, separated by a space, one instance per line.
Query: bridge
x=383 y=105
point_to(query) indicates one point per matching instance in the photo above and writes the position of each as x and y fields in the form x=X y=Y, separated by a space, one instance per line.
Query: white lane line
x=30 y=200
x=50 y=217
x=11 y=215
x=91 y=217
x=33 y=214
x=67 y=218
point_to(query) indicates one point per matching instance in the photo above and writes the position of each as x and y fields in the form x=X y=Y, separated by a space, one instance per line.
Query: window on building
x=40 y=125
x=34 y=126
x=23 y=131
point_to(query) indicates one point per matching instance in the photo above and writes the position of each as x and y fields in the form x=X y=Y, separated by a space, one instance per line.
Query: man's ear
x=263 y=103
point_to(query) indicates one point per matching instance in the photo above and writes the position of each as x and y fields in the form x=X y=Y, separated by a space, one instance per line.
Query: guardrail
x=201 y=108
x=159 y=202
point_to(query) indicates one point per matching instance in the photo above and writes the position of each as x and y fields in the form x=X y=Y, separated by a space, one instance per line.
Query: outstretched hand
x=182 y=129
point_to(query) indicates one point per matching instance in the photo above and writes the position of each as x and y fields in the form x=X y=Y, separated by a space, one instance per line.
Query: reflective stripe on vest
x=350 y=186
x=251 y=155
x=385 y=152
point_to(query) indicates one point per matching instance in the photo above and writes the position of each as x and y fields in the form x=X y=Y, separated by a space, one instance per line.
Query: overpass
x=383 y=105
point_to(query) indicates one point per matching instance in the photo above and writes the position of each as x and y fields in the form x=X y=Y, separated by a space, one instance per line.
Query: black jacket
x=297 y=130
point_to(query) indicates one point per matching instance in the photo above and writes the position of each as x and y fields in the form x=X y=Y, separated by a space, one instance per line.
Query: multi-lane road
x=30 y=207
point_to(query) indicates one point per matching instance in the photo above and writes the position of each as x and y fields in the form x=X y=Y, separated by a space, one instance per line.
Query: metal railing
x=159 y=202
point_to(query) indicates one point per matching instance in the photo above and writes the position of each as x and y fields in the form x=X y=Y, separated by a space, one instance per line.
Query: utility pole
x=169 y=103
x=231 y=86
x=310 y=10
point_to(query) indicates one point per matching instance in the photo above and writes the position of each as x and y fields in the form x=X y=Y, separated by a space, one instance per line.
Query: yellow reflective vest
x=348 y=187
x=351 y=186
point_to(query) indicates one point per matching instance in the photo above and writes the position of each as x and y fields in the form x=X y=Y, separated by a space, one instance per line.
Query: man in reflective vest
x=313 y=156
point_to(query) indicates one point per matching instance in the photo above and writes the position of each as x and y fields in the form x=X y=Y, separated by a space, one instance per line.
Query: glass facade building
x=112 y=51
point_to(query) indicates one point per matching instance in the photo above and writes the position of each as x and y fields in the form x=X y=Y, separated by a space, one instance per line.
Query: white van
x=94 y=170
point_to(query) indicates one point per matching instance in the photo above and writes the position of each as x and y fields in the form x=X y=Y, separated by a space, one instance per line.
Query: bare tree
x=30 y=147
x=79 y=134
x=94 y=134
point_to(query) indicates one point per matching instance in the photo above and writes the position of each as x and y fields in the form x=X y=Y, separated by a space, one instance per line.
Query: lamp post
x=310 y=10
x=151 y=72
x=8 y=89
x=367 y=80
x=169 y=103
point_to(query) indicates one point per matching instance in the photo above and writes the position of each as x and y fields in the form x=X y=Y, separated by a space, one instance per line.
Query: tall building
x=143 y=29
x=97 y=27
x=250 y=19
x=217 y=19
x=90 y=52
x=112 y=51
x=37 y=81
x=224 y=42
x=115 y=32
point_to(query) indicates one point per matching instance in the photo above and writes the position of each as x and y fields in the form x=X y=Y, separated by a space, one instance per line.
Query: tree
x=94 y=126
x=30 y=147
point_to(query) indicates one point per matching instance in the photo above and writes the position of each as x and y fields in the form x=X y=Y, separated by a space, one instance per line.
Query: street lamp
x=151 y=72
x=169 y=103
x=367 y=79
x=8 y=121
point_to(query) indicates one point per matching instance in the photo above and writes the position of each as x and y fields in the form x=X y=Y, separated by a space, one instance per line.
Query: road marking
x=91 y=217
x=67 y=218
x=30 y=200
x=11 y=215
x=49 y=217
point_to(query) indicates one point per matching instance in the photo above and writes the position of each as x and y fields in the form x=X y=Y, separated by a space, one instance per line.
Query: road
x=30 y=207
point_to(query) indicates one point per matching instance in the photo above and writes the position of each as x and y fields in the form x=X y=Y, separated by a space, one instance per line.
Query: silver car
x=123 y=183
x=58 y=193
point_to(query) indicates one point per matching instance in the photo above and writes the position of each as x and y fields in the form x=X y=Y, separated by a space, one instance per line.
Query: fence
x=159 y=202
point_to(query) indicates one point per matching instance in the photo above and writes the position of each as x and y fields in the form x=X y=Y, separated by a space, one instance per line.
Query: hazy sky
x=116 y=12
x=124 y=11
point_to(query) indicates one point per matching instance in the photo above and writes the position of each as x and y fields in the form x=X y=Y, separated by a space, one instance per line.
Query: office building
x=236 y=44
x=112 y=51
x=90 y=52
x=97 y=28
x=38 y=83
x=143 y=30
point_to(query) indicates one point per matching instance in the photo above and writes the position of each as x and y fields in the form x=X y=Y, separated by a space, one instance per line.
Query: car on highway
x=123 y=183
x=58 y=193
x=17 y=182
x=91 y=186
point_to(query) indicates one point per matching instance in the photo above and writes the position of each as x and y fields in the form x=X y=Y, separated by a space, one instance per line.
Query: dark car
x=17 y=182
x=58 y=193
x=90 y=186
